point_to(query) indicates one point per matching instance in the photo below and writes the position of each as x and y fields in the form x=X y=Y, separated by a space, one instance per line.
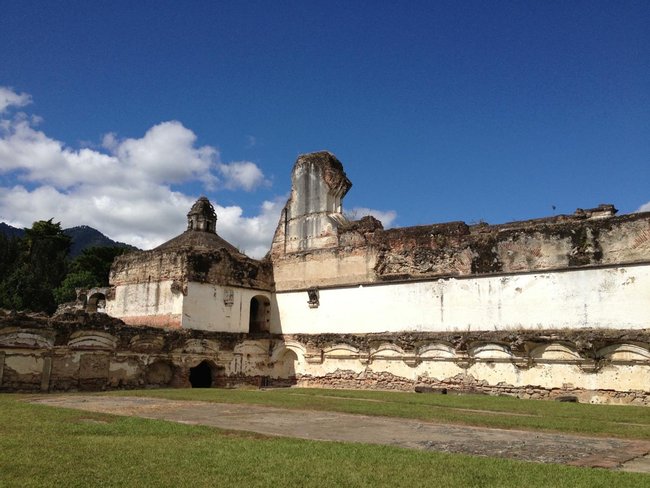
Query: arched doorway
x=96 y=303
x=260 y=314
x=201 y=375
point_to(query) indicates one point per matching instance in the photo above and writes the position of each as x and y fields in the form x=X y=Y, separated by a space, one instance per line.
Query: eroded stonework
x=537 y=309
x=94 y=352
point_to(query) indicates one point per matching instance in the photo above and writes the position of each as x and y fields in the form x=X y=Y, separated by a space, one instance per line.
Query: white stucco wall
x=204 y=307
x=607 y=297
x=149 y=303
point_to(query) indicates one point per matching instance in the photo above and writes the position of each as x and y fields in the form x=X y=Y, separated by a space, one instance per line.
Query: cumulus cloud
x=242 y=174
x=386 y=217
x=644 y=208
x=123 y=189
x=254 y=234
x=9 y=98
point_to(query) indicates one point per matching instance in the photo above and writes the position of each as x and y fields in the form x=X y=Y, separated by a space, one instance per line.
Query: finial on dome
x=202 y=216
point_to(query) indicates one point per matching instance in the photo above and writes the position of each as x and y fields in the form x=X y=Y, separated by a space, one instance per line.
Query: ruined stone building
x=538 y=308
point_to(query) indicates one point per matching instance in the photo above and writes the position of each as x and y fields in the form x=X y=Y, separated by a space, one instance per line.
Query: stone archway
x=96 y=303
x=260 y=314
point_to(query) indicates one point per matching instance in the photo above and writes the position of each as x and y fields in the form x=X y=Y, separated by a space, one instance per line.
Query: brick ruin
x=537 y=309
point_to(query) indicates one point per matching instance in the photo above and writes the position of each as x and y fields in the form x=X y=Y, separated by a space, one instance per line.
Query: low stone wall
x=80 y=351
x=594 y=365
x=468 y=385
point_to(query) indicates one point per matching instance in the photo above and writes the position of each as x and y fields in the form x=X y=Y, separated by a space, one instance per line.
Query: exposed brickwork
x=346 y=379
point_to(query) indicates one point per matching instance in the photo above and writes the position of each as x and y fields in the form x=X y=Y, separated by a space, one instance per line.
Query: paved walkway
x=627 y=455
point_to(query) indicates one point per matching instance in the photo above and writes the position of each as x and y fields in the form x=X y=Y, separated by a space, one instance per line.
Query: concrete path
x=627 y=455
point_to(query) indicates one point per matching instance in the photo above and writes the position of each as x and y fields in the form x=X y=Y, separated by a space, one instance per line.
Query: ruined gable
x=195 y=280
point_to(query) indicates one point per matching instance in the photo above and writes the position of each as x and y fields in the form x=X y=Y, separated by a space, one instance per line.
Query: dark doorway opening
x=201 y=375
x=260 y=311
x=254 y=325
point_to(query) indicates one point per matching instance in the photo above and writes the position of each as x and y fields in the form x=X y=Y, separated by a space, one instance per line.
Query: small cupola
x=202 y=216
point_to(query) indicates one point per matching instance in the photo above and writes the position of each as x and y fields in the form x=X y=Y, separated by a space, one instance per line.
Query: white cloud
x=9 y=98
x=126 y=191
x=242 y=174
x=644 y=208
x=254 y=234
x=166 y=154
x=386 y=217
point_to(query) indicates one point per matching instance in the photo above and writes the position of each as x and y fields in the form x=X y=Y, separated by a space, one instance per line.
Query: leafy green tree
x=10 y=248
x=40 y=268
x=66 y=292
x=90 y=269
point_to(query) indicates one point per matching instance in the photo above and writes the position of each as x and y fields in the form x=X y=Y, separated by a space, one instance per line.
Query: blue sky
x=117 y=114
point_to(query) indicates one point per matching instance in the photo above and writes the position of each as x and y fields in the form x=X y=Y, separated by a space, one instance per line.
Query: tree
x=88 y=270
x=10 y=248
x=40 y=267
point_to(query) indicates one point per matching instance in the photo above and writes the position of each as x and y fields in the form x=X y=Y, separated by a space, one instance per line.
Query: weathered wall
x=216 y=266
x=608 y=297
x=95 y=352
x=313 y=213
x=369 y=254
x=588 y=269
x=154 y=303
x=224 y=309
x=185 y=288
x=322 y=268
x=596 y=366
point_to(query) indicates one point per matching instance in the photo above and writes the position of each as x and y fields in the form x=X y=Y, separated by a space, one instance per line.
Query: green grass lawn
x=47 y=446
x=481 y=410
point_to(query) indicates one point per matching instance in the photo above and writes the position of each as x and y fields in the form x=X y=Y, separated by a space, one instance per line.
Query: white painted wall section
x=152 y=301
x=617 y=298
x=218 y=308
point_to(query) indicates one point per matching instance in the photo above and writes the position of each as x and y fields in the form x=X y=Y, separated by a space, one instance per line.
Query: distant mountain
x=10 y=231
x=82 y=237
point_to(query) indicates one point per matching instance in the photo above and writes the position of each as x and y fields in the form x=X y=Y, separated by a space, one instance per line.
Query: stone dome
x=201 y=233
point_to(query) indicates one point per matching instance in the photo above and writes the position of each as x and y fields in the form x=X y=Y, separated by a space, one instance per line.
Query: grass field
x=46 y=446
x=481 y=410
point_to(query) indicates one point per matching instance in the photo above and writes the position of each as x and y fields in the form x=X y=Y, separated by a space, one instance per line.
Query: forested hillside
x=38 y=270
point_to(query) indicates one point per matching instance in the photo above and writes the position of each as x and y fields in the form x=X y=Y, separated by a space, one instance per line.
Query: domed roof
x=198 y=240
x=201 y=231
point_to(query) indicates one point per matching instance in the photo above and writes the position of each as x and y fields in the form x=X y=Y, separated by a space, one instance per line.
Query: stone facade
x=196 y=281
x=538 y=309
x=81 y=351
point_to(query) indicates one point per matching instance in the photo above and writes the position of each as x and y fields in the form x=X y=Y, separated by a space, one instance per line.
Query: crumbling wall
x=153 y=287
x=595 y=366
x=94 y=352
x=216 y=266
x=458 y=250
x=336 y=252
x=313 y=213
x=81 y=351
